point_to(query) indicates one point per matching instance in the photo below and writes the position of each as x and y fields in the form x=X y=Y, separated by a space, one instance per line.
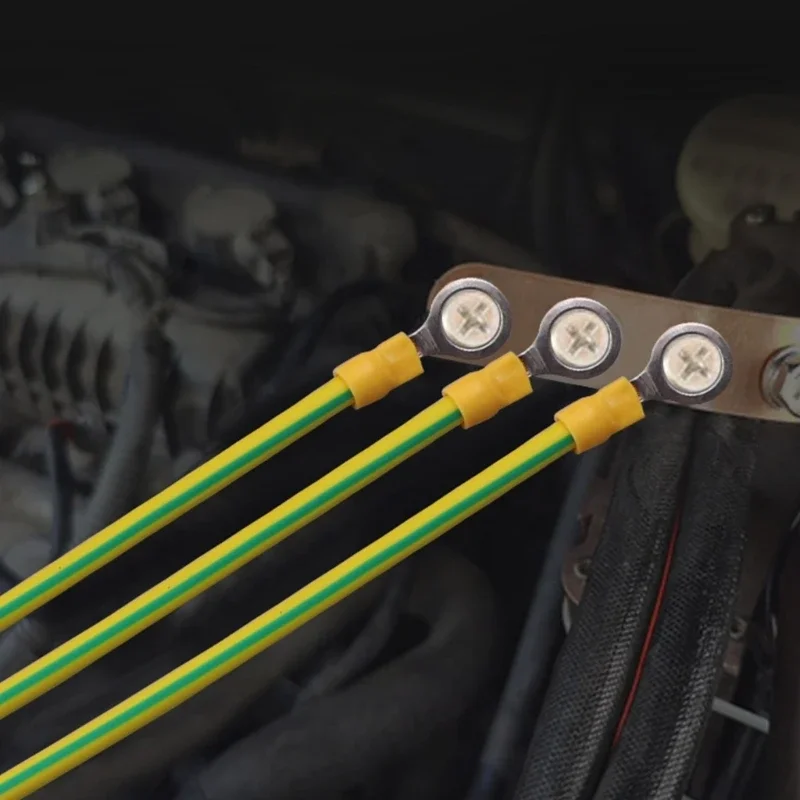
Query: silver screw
x=692 y=364
x=471 y=319
x=780 y=380
x=580 y=339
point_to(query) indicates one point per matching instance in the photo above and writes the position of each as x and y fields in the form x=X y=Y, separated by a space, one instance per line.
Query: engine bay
x=619 y=627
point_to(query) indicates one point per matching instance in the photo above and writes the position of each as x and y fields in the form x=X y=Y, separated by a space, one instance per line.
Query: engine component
x=95 y=182
x=65 y=343
x=345 y=235
x=743 y=153
x=237 y=227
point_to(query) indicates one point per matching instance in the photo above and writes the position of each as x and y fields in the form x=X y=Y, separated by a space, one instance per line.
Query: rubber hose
x=63 y=489
x=539 y=635
x=119 y=483
x=338 y=742
x=368 y=644
x=656 y=752
x=592 y=676
x=193 y=728
x=22 y=645
x=782 y=773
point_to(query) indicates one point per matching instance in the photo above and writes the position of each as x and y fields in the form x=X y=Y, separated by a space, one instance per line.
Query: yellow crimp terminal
x=593 y=420
x=480 y=395
x=372 y=375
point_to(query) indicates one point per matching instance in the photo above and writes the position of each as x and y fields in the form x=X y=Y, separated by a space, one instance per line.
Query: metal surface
x=752 y=338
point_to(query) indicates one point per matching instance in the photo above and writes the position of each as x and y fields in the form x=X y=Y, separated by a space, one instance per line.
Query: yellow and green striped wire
x=187 y=680
x=183 y=495
x=229 y=556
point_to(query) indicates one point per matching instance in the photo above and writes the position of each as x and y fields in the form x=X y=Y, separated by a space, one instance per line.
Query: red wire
x=66 y=426
x=648 y=639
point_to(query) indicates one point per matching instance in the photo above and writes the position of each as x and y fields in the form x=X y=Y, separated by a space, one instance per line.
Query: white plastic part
x=745 y=152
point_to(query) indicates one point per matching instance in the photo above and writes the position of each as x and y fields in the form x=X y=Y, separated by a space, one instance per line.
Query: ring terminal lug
x=577 y=338
x=690 y=364
x=469 y=318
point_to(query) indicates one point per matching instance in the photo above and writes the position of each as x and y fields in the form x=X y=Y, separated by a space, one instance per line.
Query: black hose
x=338 y=742
x=592 y=676
x=63 y=488
x=119 y=482
x=659 y=743
x=536 y=642
x=782 y=767
x=368 y=644
x=22 y=644
x=196 y=726
x=30 y=638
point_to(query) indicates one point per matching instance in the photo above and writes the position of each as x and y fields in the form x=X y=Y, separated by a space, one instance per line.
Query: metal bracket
x=753 y=338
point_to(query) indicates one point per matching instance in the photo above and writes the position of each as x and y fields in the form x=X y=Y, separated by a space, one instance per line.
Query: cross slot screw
x=580 y=339
x=692 y=364
x=471 y=319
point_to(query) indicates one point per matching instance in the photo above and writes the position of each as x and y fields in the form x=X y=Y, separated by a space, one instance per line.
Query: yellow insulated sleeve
x=169 y=504
x=307 y=505
x=365 y=378
x=187 y=680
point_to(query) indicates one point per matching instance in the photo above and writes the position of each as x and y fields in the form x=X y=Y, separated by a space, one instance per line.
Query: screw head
x=692 y=364
x=580 y=339
x=471 y=319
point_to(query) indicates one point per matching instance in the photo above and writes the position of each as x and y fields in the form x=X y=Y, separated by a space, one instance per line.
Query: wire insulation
x=186 y=681
x=228 y=556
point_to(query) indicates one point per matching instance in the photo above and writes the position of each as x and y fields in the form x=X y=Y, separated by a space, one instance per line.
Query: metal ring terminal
x=469 y=318
x=690 y=364
x=578 y=338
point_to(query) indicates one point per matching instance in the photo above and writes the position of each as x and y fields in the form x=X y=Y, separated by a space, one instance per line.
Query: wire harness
x=461 y=311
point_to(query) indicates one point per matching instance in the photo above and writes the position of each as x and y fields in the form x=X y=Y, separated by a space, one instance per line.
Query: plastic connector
x=480 y=395
x=593 y=420
x=372 y=375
